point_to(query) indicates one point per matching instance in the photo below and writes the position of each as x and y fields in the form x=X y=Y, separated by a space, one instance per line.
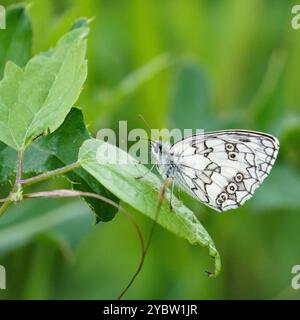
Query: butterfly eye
x=232 y=155
x=239 y=177
x=229 y=147
x=231 y=188
x=157 y=147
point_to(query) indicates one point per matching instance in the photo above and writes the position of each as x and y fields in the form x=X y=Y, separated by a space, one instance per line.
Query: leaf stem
x=4 y=207
x=49 y=174
x=17 y=187
x=161 y=195
x=4 y=199
x=63 y=193
x=19 y=168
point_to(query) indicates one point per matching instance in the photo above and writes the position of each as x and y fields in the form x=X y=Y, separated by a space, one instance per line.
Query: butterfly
x=222 y=169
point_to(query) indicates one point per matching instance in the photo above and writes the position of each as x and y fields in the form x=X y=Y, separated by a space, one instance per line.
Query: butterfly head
x=160 y=151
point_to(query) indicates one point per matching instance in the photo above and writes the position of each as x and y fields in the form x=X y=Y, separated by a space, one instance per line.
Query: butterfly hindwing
x=223 y=168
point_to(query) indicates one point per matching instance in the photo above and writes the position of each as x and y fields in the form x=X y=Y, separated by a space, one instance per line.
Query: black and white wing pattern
x=223 y=168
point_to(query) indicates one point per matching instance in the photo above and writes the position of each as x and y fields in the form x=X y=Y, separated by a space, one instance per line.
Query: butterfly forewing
x=223 y=168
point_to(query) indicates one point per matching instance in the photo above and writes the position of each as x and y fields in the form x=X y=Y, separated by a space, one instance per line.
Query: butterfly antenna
x=147 y=125
x=145 y=122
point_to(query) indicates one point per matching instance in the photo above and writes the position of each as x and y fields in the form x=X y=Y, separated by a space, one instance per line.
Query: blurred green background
x=187 y=64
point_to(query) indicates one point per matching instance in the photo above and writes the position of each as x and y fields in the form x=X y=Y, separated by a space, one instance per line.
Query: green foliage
x=57 y=77
x=245 y=57
x=36 y=100
x=67 y=69
x=62 y=147
x=56 y=150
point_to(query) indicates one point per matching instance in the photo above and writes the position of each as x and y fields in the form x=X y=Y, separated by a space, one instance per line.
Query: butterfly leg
x=171 y=197
x=144 y=175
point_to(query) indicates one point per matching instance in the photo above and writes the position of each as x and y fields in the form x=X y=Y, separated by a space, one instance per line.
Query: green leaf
x=57 y=150
x=79 y=23
x=64 y=145
x=38 y=98
x=142 y=194
x=16 y=39
x=35 y=161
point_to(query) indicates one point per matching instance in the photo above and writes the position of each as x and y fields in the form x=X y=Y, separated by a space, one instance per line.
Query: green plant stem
x=19 y=168
x=161 y=196
x=44 y=176
x=4 y=200
x=7 y=201
x=63 y=193
x=4 y=207
x=49 y=174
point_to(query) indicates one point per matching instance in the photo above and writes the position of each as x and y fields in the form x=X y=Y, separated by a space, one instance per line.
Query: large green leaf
x=15 y=40
x=64 y=144
x=39 y=97
x=57 y=150
x=142 y=194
